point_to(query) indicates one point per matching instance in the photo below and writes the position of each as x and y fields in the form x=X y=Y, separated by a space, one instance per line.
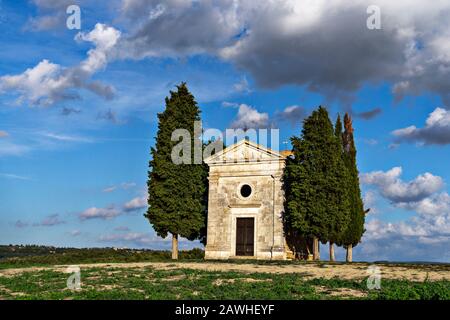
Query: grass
x=182 y=283
x=151 y=283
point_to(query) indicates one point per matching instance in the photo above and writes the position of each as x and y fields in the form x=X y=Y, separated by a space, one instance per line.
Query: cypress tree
x=338 y=135
x=315 y=200
x=338 y=192
x=352 y=235
x=177 y=192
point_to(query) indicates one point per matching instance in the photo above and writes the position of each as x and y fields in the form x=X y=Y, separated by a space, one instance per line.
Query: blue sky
x=76 y=129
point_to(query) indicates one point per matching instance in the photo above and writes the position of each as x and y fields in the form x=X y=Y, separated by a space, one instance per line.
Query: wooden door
x=245 y=231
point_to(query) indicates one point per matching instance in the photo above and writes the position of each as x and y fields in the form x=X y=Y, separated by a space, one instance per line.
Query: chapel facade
x=245 y=205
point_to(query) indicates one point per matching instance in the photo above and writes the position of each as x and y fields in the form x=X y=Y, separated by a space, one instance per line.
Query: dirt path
x=309 y=271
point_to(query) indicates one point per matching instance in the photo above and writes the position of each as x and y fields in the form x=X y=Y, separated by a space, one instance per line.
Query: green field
x=37 y=273
x=149 y=283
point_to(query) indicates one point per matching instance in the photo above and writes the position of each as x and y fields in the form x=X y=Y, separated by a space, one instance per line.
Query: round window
x=246 y=191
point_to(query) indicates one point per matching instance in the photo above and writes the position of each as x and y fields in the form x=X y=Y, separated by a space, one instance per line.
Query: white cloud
x=113 y=211
x=425 y=235
x=47 y=82
x=432 y=205
x=104 y=38
x=99 y=213
x=42 y=81
x=136 y=204
x=436 y=130
x=249 y=118
x=266 y=40
x=398 y=191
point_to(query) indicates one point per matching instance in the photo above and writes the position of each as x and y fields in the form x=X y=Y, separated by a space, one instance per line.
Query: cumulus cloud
x=392 y=187
x=299 y=42
x=436 y=130
x=278 y=43
x=47 y=82
x=136 y=204
x=250 y=118
x=113 y=211
x=430 y=206
x=424 y=235
x=99 y=213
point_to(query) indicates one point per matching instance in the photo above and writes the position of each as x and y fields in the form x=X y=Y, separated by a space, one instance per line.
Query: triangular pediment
x=244 y=151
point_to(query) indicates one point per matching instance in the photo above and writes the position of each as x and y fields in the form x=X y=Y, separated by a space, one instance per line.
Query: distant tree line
x=19 y=255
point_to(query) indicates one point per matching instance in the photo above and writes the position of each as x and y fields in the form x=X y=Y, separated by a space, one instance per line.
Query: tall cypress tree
x=177 y=192
x=342 y=215
x=315 y=199
x=338 y=192
x=352 y=236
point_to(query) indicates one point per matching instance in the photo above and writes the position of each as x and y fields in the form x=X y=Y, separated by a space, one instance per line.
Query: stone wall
x=265 y=205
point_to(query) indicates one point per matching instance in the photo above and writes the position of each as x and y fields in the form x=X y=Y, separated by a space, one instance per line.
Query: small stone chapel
x=245 y=203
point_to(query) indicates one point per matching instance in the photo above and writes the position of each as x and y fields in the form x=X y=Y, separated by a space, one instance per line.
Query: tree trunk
x=316 y=253
x=332 y=252
x=309 y=256
x=349 y=257
x=174 y=246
